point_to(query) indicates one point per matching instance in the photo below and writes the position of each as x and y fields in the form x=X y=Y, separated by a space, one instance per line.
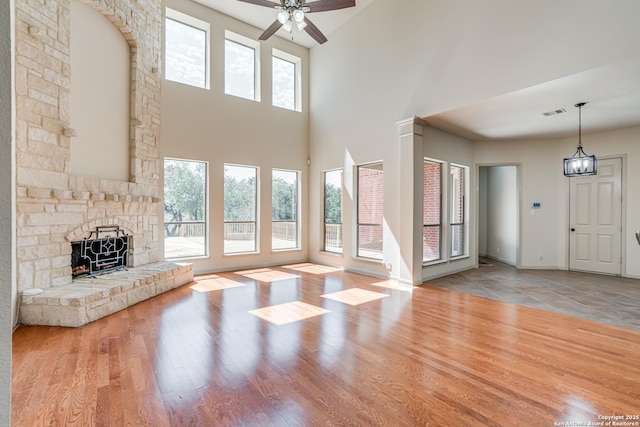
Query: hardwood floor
x=202 y=356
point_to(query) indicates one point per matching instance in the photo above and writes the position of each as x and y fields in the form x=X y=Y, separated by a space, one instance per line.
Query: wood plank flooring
x=196 y=356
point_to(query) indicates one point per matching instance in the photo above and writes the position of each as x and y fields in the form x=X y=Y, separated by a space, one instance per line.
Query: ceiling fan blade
x=271 y=30
x=326 y=5
x=314 y=32
x=265 y=3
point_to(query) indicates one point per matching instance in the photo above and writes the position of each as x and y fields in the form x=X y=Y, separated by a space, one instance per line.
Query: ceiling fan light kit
x=298 y=15
x=580 y=164
x=295 y=11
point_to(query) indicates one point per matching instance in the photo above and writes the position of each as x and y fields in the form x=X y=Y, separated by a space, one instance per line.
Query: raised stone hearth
x=91 y=298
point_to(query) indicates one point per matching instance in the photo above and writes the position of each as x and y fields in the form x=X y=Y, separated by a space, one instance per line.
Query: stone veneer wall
x=54 y=207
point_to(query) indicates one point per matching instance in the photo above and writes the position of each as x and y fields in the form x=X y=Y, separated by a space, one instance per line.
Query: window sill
x=434 y=262
x=444 y=261
x=187 y=258
x=371 y=260
x=329 y=253
x=275 y=251
x=241 y=253
x=242 y=97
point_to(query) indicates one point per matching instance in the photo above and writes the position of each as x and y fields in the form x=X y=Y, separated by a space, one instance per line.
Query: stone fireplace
x=55 y=207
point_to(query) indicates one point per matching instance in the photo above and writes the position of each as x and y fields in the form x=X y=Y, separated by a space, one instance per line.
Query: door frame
x=623 y=215
x=519 y=208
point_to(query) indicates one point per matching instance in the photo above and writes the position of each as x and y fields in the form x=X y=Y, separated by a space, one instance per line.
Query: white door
x=595 y=220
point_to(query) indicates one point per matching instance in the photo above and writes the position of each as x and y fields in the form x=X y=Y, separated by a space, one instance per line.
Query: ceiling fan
x=294 y=11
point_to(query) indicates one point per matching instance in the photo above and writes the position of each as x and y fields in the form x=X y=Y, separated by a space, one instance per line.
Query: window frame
x=440 y=224
x=256 y=221
x=248 y=43
x=463 y=224
x=297 y=83
x=324 y=212
x=205 y=208
x=358 y=213
x=198 y=24
x=297 y=211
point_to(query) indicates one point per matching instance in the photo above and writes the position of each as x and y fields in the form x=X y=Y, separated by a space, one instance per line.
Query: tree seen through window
x=284 y=209
x=184 y=208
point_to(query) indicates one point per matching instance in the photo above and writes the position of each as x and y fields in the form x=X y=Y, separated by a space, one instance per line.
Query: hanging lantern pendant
x=580 y=164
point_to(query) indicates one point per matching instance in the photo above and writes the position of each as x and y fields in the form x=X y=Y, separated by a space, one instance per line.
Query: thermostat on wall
x=536 y=205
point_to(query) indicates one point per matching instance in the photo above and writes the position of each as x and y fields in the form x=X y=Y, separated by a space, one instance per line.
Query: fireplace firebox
x=104 y=250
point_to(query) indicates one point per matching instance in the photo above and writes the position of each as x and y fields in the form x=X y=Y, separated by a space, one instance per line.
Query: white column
x=410 y=207
x=7 y=292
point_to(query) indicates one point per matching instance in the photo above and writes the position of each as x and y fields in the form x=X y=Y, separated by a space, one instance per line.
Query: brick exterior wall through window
x=432 y=212
x=457 y=211
x=370 y=210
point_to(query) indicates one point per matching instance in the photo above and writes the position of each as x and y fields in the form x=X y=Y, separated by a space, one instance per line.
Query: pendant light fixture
x=580 y=164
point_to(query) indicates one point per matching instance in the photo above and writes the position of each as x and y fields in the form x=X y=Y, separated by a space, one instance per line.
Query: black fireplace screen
x=104 y=250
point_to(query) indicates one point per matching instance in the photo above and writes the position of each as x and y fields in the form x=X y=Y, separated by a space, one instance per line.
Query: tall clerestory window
x=286 y=81
x=241 y=67
x=186 y=49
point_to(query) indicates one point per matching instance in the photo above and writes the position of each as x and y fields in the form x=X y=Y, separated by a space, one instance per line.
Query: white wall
x=502 y=213
x=7 y=249
x=542 y=181
x=546 y=232
x=100 y=97
x=434 y=59
x=207 y=125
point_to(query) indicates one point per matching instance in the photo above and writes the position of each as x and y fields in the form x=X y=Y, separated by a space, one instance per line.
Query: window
x=370 y=211
x=333 y=211
x=286 y=85
x=241 y=66
x=186 y=52
x=284 y=210
x=240 y=209
x=432 y=211
x=185 y=226
x=457 y=200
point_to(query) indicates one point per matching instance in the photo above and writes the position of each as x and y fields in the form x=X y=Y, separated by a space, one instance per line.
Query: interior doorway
x=595 y=220
x=499 y=213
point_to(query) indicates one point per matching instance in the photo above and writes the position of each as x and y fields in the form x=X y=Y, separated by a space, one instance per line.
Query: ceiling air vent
x=554 y=112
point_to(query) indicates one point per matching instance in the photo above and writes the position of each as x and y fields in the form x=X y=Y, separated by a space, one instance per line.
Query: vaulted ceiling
x=262 y=17
x=612 y=91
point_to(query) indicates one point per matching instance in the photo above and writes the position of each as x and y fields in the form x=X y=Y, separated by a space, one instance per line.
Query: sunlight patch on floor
x=267 y=275
x=290 y=312
x=355 y=296
x=214 y=283
x=309 y=267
